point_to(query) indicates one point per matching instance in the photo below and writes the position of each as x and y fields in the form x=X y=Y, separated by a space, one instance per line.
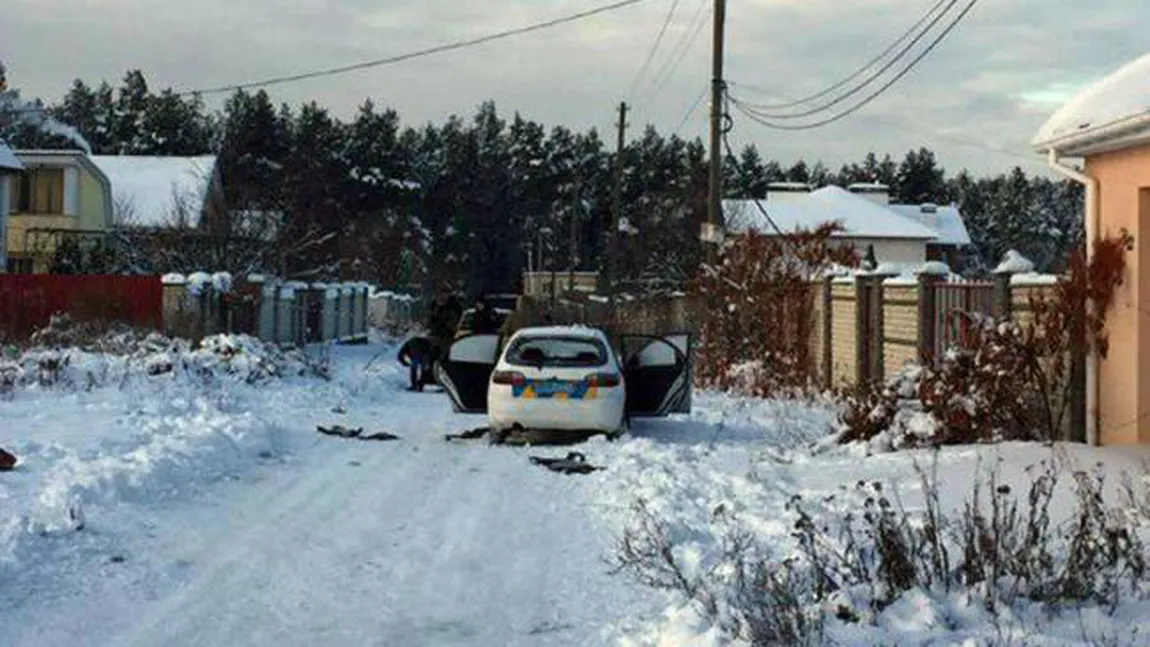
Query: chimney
x=787 y=191
x=929 y=211
x=873 y=191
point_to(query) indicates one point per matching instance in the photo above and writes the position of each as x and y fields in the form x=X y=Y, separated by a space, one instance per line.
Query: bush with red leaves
x=755 y=331
x=1004 y=380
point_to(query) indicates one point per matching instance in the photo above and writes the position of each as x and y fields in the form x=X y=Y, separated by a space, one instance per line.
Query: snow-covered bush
x=1003 y=380
x=851 y=565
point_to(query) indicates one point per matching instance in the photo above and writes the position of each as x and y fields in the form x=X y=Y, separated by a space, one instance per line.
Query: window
x=19 y=265
x=39 y=191
x=557 y=352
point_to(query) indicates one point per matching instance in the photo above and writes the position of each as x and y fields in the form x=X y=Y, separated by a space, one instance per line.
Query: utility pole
x=712 y=230
x=616 y=207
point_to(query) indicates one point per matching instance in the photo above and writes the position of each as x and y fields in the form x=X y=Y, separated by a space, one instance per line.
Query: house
x=9 y=166
x=155 y=192
x=1107 y=125
x=57 y=191
x=898 y=234
x=65 y=194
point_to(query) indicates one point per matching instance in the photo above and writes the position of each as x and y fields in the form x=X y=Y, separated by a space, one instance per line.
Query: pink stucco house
x=1108 y=126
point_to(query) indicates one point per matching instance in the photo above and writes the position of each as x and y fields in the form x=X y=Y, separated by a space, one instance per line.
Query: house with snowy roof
x=899 y=235
x=1107 y=126
x=9 y=166
x=68 y=194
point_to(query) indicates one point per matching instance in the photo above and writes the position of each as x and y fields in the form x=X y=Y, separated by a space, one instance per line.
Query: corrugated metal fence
x=28 y=301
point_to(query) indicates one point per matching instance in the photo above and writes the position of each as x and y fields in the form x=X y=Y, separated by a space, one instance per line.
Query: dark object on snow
x=7 y=461
x=470 y=434
x=573 y=463
x=380 y=435
x=339 y=408
x=339 y=430
x=117 y=559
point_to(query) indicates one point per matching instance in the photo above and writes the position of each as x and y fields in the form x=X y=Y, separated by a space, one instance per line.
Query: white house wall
x=893 y=250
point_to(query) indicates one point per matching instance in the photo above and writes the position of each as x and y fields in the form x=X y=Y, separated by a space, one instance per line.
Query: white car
x=567 y=378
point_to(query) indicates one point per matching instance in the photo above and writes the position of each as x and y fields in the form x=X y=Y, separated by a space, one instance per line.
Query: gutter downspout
x=1091 y=185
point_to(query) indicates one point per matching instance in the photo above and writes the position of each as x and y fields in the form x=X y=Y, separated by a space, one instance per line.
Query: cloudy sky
x=976 y=101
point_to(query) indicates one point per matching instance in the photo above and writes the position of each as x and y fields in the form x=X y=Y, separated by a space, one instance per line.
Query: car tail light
x=508 y=377
x=603 y=379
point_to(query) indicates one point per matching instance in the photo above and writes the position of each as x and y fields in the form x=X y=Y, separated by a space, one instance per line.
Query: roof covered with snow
x=947 y=221
x=860 y=217
x=151 y=190
x=1107 y=111
x=8 y=159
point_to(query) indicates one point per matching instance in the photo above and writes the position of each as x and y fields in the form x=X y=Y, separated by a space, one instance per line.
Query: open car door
x=466 y=371
x=657 y=371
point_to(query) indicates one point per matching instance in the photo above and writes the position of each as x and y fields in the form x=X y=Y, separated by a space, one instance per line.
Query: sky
x=976 y=101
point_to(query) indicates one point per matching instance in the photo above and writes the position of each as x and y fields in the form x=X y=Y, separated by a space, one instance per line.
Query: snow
x=8 y=159
x=933 y=268
x=198 y=281
x=1014 y=262
x=222 y=282
x=859 y=217
x=153 y=188
x=1033 y=279
x=213 y=514
x=946 y=221
x=1122 y=97
x=173 y=279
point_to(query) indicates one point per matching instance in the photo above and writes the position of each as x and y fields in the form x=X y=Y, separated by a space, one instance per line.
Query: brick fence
x=868 y=327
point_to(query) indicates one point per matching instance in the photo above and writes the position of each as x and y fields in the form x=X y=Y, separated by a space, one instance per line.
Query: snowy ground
x=213 y=514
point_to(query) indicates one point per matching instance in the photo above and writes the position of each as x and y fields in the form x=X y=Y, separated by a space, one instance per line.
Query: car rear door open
x=658 y=374
x=466 y=371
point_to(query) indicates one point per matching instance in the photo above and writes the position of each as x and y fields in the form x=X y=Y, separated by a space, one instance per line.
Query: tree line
x=469 y=200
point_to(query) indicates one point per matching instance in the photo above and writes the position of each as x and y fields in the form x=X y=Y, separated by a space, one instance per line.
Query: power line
x=753 y=115
x=686 y=42
x=691 y=110
x=870 y=79
x=654 y=49
x=929 y=131
x=447 y=47
x=857 y=73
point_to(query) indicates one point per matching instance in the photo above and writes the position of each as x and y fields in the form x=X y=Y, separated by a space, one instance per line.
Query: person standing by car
x=417 y=354
x=443 y=317
x=483 y=322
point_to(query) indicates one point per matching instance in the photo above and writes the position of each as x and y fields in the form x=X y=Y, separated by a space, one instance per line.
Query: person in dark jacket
x=484 y=322
x=417 y=353
x=443 y=318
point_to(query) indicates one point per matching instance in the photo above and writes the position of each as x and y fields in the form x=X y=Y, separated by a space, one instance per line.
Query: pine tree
x=919 y=179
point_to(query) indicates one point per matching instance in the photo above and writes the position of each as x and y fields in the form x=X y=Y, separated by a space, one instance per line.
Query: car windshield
x=557 y=352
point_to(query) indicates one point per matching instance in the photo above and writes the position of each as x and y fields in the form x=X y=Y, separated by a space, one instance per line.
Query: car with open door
x=567 y=378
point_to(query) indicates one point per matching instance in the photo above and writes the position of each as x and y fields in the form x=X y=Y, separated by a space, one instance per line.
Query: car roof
x=561 y=331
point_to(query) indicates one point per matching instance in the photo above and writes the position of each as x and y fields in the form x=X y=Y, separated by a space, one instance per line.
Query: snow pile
x=124 y=354
x=1014 y=262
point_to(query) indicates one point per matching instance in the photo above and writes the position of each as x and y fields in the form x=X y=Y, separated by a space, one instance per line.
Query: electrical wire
x=691 y=110
x=654 y=49
x=870 y=79
x=753 y=115
x=857 y=73
x=684 y=46
x=447 y=47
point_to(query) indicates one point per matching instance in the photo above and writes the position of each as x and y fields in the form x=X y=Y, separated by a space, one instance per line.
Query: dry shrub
x=1004 y=380
x=999 y=548
x=759 y=308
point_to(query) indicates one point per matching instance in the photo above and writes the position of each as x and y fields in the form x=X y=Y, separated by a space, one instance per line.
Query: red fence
x=28 y=301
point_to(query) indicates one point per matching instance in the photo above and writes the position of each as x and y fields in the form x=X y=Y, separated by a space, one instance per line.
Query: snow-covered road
x=337 y=542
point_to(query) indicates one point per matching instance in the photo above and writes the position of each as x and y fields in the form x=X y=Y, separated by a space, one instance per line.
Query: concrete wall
x=1124 y=375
